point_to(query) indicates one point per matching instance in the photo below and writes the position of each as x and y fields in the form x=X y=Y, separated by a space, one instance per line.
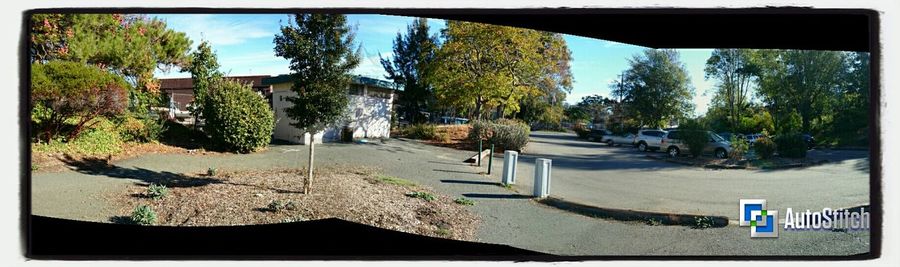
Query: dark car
x=598 y=135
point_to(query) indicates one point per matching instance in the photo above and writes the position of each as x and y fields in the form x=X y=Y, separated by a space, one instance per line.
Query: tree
x=413 y=53
x=598 y=108
x=736 y=72
x=132 y=46
x=656 y=88
x=320 y=50
x=64 y=92
x=481 y=67
x=204 y=69
x=555 y=82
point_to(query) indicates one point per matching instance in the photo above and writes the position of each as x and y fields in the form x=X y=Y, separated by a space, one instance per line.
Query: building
x=368 y=111
x=180 y=92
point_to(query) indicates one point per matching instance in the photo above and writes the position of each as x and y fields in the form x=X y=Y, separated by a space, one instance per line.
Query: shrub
x=464 y=201
x=141 y=128
x=791 y=146
x=581 y=131
x=420 y=131
x=695 y=135
x=505 y=134
x=143 y=215
x=211 y=171
x=157 y=191
x=739 y=147
x=278 y=205
x=237 y=119
x=65 y=92
x=764 y=147
x=423 y=195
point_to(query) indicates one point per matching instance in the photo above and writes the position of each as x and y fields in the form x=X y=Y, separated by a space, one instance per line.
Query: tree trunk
x=309 y=174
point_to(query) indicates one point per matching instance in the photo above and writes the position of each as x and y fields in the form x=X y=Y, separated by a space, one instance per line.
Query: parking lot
x=624 y=178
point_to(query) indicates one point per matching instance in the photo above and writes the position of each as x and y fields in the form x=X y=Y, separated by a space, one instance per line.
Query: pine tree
x=413 y=53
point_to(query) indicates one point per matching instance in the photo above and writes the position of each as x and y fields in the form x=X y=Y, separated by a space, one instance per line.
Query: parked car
x=751 y=138
x=621 y=139
x=598 y=135
x=716 y=146
x=648 y=140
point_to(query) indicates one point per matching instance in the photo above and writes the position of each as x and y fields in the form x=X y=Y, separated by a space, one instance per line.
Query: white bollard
x=510 y=159
x=542 y=177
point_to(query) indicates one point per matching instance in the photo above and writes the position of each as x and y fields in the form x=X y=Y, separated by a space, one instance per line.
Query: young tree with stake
x=321 y=53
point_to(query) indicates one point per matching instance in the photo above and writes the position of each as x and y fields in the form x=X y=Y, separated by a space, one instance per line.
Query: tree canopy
x=412 y=54
x=656 y=88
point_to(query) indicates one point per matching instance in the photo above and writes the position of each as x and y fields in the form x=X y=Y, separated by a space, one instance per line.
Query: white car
x=615 y=139
x=648 y=140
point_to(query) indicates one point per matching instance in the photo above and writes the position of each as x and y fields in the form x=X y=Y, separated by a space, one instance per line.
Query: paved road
x=622 y=177
x=507 y=216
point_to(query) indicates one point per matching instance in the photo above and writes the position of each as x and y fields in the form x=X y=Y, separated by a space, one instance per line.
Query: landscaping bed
x=50 y=159
x=276 y=196
x=764 y=164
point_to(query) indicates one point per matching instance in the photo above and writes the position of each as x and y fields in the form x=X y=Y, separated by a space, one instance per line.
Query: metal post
x=542 y=176
x=510 y=160
x=491 y=159
x=479 y=153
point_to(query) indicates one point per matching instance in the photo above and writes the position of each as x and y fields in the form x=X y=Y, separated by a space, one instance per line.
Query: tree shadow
x=496 y=196
x=452 y=171
x=449 y=181
x=100 y=166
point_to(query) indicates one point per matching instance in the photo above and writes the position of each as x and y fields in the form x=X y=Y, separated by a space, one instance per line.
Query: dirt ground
x=352 y=193
x=53 y=162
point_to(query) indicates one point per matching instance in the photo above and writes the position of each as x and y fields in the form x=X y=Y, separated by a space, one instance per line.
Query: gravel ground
x=351 y=193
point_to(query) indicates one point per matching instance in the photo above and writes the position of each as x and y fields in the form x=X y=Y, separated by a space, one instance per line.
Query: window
x=355 y=89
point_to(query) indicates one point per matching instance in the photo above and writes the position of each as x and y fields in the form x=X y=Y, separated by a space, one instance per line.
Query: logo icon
x=762 y=222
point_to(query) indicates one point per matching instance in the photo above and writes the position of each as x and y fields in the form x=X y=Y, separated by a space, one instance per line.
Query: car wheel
x=720 y=153
x=642 y=146
x=673 y=152
x=610 y=143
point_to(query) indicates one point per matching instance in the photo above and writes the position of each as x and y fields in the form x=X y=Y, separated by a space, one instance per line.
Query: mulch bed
x=349 y=193
x=53 y=162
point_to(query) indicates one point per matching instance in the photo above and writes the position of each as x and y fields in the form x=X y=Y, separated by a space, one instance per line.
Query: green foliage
x=656 y=88
x=739 y=147
x=101 y=139
x=546 y=109
x=408 y=66
x=504 y=134
x=321 y=54
x=736 y=71
x=464 y=201
x=141 y=128
x=157 y=191
x=131 y=45
x=238 y=119
x=423 y=195
x=421 y=131
x=694 y=135
x=211 y=171
x=143 y=215
x=764 y=147
x=204 y=69
x=791 y=145
x=394 y=180
x=702 y=222
x=64 y=92
x=278 y=205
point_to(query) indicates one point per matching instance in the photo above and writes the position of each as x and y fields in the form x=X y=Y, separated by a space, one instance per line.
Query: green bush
x=100 y=140
x=157 y=191
x=278 y=205
x=694 y=135
x=423 y=195
x=143 y=215
x=464 y=201
x=739 y=147
x=237 y=119
x=141 y=128
x=504 y=134
x=764 y=147
x=791 y=146
x=421 y=131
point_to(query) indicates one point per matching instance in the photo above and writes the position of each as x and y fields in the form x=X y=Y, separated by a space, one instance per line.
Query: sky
x=243 y=45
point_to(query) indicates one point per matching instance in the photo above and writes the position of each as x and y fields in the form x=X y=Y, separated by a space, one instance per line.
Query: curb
x=632 y=215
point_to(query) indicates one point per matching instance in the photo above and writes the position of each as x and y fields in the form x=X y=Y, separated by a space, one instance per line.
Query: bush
x=581 y=131
x=143 y=215
x=423 y=195
x=695 y=135
x=278 y=205
x=764 y=147
x=505 y=134
x=464 y=201
x=141 y=128
x=237 y=119
x=739 y=147
x=791 y=146
x=157 y=191
x=420 y=131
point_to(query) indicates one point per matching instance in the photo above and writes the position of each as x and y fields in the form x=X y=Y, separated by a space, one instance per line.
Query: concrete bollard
x=510 y=159
x=542 y=177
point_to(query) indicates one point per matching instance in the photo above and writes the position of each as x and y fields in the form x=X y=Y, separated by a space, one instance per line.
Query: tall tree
x=413 y=52
x=481 y=67
x=133 y=46
x=736 y=73
x=656 y=88
x=204 y=69
x=321 y=52
x=554 y=82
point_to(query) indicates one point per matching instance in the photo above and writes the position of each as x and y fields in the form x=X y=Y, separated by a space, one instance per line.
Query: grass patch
x=464 y=201
x=394 y=180
x=442 y=231
x=423 y=195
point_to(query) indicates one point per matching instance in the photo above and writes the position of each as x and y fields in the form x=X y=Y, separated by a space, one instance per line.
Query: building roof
x=255 y=81
x=356 y=79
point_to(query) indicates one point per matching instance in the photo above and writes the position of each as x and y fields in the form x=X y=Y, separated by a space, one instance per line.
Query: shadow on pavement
x=452 y=171
x=496 y=196
x=99 y=166
x=468 y=182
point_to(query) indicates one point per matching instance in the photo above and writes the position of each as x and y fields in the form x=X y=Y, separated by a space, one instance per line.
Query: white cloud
x=219 y=31
x=370 y=65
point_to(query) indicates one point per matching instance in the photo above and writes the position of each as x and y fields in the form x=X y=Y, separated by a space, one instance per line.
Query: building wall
x=368 y=114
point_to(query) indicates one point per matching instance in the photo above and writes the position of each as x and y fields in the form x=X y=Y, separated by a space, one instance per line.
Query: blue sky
x=243 y=44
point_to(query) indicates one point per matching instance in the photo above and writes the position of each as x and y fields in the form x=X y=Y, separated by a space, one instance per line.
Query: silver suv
x=648 y=140
x=717 y=145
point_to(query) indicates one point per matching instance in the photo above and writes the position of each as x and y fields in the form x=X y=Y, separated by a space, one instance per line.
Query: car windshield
x=716 y=137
